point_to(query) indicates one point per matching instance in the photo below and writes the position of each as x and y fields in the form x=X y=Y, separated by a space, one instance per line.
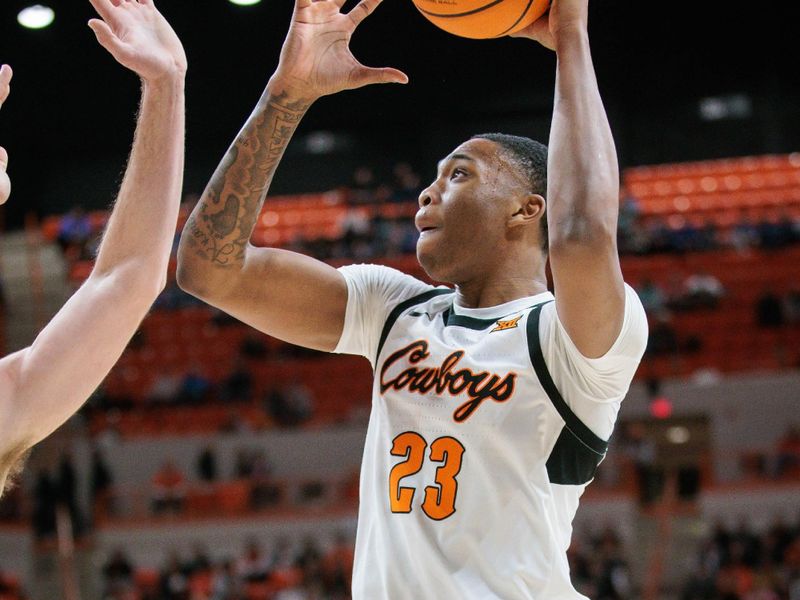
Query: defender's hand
x=316 y=58
x=563 y=15
x=5 y=88
x=139 y=38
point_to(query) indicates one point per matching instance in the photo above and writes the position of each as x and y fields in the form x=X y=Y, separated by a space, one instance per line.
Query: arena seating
x=725 y=338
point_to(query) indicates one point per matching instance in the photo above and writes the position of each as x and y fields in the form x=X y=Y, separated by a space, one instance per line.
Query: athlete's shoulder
x=387 y=283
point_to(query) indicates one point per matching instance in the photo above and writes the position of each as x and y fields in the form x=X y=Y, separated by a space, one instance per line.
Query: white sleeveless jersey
x=486 y=426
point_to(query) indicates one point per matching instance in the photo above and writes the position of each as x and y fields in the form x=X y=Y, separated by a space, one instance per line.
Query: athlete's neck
x=499 y=290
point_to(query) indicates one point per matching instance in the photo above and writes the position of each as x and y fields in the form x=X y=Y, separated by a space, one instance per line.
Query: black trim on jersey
x=400 y=308
x=578 y=450
x=451 y=318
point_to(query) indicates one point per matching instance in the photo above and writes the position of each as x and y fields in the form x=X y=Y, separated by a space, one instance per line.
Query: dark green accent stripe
x=585 y=435
x=400 y=308
x=451 y=318
x=571 y=462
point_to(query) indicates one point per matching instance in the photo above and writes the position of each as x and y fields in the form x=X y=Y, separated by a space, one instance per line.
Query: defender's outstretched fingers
x=105 y=8
x=362 y=10
x=5 y=82
x=108 y=39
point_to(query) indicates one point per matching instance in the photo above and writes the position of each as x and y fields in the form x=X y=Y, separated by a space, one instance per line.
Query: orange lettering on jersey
x=503 y=325
x=445 y=378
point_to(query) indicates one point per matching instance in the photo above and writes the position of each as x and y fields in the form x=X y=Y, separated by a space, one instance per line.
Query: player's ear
x=528 y=210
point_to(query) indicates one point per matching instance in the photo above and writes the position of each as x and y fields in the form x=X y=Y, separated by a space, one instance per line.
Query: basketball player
x=43 y=385
x=493 y=402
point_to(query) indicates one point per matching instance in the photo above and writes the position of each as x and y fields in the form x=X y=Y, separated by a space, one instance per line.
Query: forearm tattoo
x=221 y=224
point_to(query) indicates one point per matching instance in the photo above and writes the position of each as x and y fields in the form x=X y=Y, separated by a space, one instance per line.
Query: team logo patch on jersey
x=503 y=325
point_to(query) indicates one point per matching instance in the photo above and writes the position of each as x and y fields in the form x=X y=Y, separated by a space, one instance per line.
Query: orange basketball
x=480 y=19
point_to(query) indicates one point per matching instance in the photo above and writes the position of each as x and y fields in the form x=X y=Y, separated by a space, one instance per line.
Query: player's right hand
x=139 y=38
x=563 y=16
x=5 y=88
x=316 y=59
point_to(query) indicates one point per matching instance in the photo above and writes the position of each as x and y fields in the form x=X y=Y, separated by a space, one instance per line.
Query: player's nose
x=428 y=196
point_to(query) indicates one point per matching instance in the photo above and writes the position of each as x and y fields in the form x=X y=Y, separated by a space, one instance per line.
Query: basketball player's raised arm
x=285 y=294
x=42 y=385
x=582 y=188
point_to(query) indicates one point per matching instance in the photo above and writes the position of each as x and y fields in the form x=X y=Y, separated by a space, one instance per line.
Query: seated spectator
x=652 y=296
x=254 y=565
x=337 y=567
x=253 y=346
x=362 y=186
x=663 y=339
x=168 y=489
x=238 y=385
x=293 y=405
x=791 y=305
x=166 y=387
x=207 y=465
x=769 y=311
x=788 y=454
x=406 y=185
x=225 y=583
x=100 y=481
x=74 y=232
x=703 y=290
x=118 y=575
x=195 y=386
x=263 y=491
x=174 y=583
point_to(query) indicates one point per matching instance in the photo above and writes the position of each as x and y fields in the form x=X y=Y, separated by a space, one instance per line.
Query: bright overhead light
x=244 y=2
x=36 y=17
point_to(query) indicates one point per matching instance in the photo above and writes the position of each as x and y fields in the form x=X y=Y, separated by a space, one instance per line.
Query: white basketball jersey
x=474 y=459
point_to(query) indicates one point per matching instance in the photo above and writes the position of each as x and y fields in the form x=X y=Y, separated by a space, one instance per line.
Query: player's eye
x=457 y=172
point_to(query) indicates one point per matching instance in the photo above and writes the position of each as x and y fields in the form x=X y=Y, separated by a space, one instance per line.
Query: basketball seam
x=522 y=16
x=463 y=14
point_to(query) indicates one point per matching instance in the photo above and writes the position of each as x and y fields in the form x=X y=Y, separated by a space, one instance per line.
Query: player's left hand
x=5 y=88
x=139 y=38
x=564 y=15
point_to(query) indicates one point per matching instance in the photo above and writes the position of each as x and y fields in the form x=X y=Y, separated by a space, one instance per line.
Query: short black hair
x=530 y=158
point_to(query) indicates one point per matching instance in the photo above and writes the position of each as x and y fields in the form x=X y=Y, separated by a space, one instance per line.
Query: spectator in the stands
x=744 y=234
x=66 y=487
x=337 y=566
x=169 y=491
x=663 y=339
x=165 y=387
x=703 y=290
x=406 y=185
x=174 y=584
x=362 y=186
x=263 y=491
x=225 y=583
x=253 y=346
x=118 y=575
x=207 y=464
x=195 y=386
x=255 y=564
x=769 y=310
x=652 y=296
x=238 y=384
x=773 y=232
x=198 y=562
x=788 y=453
x=43 y=515
x=293 y=405
x=74 y=232
x=100 y=481
x=791 y=305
